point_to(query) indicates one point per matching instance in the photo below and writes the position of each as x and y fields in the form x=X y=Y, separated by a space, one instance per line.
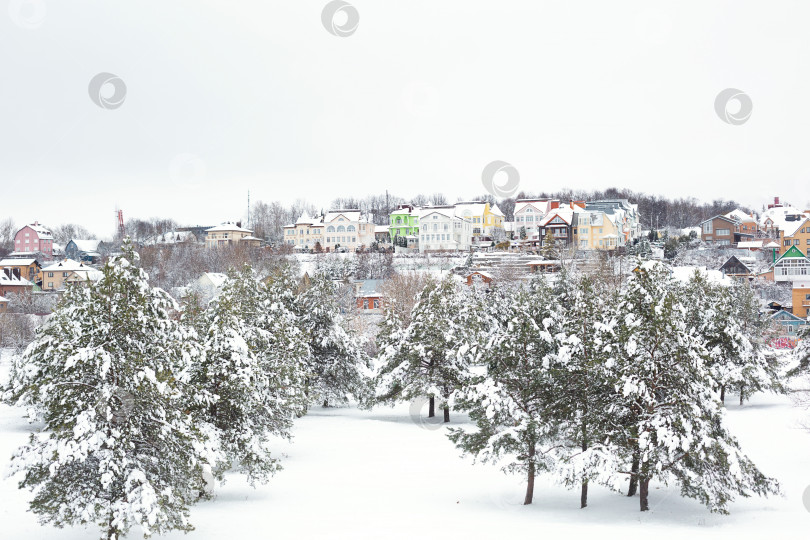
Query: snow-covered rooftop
x=43 y=232
x=17 y=262
x=87 y=245
x=68 y=265
x=14 y=281
x=216 y=278
x=227 y=227
x=739 y=215
x=350 y=214
x=567 y=214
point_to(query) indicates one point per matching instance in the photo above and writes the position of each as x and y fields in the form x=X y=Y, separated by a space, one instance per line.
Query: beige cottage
x=229 y=234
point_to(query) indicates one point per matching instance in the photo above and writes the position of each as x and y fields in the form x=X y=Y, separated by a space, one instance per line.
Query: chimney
x=555 y=204
x=776 y=201
x=581 y=204
x=238 y=223
x=36 y=223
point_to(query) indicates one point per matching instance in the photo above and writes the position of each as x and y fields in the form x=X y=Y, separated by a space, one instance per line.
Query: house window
x=376 y=303
x=50 y=274
x=365 y=303
x=723 y=232
x=796 y=242
x=786 y=243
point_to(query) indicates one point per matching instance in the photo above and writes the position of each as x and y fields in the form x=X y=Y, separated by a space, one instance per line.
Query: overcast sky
x=223 y=97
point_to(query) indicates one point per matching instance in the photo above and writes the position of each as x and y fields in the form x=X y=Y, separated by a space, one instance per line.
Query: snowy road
x=377 y=475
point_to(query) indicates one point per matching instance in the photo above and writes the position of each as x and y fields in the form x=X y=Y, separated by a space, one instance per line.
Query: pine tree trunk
x=583 y=497
x=644 y=493
x=431 y=408
x=325 y=403
x=631 y=491
x=741 y=396
x=723 y=394
x=112 y=531
x=530 y=485
x=446 y=413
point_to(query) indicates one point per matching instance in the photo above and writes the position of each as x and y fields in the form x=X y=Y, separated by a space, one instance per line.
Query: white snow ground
x=377 y=475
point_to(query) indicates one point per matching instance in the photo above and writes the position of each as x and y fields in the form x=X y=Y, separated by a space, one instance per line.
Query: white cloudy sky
x=256 y=94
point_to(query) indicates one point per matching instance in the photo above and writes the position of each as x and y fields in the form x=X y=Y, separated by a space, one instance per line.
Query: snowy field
x=378 y=475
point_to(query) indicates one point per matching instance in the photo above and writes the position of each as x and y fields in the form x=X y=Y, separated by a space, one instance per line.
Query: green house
x=404 y=222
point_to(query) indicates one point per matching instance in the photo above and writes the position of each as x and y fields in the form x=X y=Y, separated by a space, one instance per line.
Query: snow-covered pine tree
x=642 y=248
x=548 y=248
x=252 y=366
x=512 y=403
x=671 y=425
x=336 y=366
x=108 y=374
x=727 y=318
x=422 y=360
x=586 y=343
x=759 y=368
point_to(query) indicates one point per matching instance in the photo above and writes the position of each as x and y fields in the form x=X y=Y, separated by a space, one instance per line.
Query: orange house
x=26 y=268
x=801 y=298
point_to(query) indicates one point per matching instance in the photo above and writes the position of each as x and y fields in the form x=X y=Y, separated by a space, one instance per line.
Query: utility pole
x=248 y=216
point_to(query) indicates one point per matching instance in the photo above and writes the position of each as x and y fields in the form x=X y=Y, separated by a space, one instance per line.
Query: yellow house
x=596 y=230
x=486 y=220
x=229 y=234
x=56 y=276
x=795 y=233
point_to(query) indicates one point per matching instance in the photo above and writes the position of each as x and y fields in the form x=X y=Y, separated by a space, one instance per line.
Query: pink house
x=32 y=239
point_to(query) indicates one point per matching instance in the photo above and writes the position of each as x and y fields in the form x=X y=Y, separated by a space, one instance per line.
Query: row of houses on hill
x=779 y=228
x=597 y=225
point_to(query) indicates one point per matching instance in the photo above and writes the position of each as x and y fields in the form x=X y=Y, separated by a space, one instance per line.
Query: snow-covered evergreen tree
x=253 y=366
x=512 y=402
x=584 y=330
x=671 y=424
x=727 y=318
x=421 y=359
x=642 y=248
x=548 y=248
x=108 y=374
x=336 y=366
